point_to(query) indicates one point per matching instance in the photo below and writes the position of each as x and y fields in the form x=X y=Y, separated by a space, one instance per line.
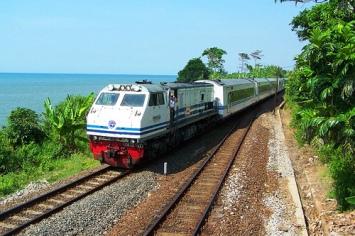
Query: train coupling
x=115 y=152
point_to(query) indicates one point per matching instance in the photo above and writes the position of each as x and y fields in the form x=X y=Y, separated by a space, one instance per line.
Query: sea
x=30 y=90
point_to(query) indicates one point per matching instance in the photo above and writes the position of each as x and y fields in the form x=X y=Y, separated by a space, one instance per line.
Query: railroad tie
x=85 y=187
x=56 y=201
x=171 y=234
x=67 y=195
x=108 y=176
x=32 y=212
x=44 y=205
x=76 y=191
x=100 y=179
x=7 y=225
x=93 y=183
x=19 y=218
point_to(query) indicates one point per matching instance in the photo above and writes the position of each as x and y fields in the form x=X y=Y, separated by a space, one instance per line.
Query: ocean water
x=30 y=90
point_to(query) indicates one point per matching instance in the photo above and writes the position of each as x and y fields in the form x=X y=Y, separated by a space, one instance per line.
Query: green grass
x=52 y=170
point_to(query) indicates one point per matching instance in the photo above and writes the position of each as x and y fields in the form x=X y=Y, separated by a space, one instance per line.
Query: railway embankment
x=315 y=185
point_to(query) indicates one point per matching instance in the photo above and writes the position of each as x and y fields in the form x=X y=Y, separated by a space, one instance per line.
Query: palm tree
x=243 y=57
x=256 y=55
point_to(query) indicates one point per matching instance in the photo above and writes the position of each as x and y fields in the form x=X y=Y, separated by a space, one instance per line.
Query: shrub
x=23 y=127
x=342 y=168
x=6 y=160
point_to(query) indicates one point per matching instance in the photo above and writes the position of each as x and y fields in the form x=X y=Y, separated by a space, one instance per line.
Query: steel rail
x=222 y=179
x=167 y=209
x=53 y=193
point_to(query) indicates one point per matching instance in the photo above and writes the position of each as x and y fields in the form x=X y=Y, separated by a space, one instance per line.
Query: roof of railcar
x=153 y=88
x=227 y=82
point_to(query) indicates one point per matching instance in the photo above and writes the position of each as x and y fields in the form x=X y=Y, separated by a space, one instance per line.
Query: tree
x=321 y=89
x=23 y=127
x=243 y=57
x=195 y=69
x=215 y=59
x=256 y=55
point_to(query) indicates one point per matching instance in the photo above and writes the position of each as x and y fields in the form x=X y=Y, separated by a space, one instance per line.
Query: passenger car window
x=107 y=99
x=133 y=100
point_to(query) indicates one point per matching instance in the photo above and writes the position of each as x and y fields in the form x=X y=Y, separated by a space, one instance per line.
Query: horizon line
x=85 y=73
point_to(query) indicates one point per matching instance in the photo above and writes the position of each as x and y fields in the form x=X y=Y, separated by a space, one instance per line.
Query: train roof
x=185 y=85
x=227 y=82
x=152 y=88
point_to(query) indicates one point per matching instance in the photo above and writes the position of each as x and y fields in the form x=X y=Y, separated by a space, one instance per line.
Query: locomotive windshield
x=133 y=100
x=107 y=99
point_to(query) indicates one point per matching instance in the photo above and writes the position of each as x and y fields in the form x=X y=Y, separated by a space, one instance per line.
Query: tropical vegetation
x=196 y=69
x=51 y=147
x=320 y=90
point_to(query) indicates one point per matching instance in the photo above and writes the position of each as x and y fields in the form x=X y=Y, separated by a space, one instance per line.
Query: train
x=131 y=123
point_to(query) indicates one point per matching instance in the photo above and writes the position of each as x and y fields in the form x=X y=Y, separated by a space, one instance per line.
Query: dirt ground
x=314 y=185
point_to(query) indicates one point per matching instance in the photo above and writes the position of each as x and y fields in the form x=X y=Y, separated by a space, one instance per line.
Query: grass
x=51 y=170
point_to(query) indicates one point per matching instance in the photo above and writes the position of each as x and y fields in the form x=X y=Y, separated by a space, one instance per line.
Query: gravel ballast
x=94 y=214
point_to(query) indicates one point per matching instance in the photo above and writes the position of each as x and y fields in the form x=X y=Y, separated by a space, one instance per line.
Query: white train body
x=129 y=122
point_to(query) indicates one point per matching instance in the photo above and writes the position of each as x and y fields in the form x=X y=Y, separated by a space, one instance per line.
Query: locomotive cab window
x=156 y=99
x=133 y=100
x=107 y=99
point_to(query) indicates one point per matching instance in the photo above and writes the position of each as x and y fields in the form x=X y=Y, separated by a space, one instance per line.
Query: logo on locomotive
x=111 y=124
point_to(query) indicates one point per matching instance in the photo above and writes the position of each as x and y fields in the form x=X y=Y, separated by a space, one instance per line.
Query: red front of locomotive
x=118 y=154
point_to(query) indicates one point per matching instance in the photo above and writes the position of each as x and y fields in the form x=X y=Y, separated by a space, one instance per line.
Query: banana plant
x=66 y=121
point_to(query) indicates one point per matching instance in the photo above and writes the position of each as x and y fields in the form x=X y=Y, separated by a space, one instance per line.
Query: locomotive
x=129 y=123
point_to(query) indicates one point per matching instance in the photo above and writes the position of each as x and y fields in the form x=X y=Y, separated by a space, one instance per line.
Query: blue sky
x=140 y=36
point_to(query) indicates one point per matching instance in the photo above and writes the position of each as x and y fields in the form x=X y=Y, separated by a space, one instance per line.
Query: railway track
x=186 y=213
x=21 y=216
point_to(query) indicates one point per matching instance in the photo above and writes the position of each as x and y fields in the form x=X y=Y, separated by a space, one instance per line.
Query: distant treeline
x=196 y=69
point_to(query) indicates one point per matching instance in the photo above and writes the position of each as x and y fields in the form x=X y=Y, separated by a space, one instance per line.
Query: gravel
x=280 y=220
x=278 y=159
x=33 y=187
x=96 y=213
x=277 y=225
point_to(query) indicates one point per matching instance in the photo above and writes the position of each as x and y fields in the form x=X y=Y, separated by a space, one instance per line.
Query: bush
x=23 y=127
x=6 y=155
x=342 y=169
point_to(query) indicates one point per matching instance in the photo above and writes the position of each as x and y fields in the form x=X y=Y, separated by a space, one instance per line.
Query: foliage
x=321 y=89
x=270 y=71
x=49 y=169
x=243 y=57
x=6 y=151
x=215 y=59
x=46 y=156
x=256 y=55
x=23 y=127
x=194 y=70
x=66 y=122
x=320 y=17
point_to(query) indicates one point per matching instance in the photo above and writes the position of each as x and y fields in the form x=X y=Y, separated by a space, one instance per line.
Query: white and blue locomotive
x=131 y=122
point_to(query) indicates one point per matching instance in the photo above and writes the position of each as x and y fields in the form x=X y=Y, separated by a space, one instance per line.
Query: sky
x=141 y=36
